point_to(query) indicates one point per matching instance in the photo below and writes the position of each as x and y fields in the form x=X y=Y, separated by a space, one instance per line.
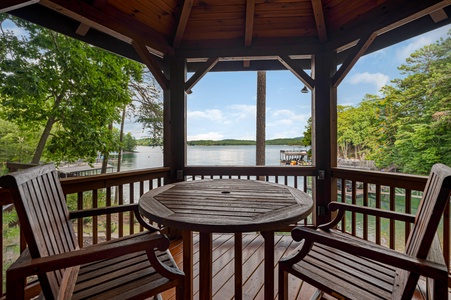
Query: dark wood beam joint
x=317 y=6
x=8 y=5
x=207 y=66
x=297 y=71
x=183 y=20
x=352 y=59
x=152 y=65
x=82 y=29
x=439 y=15
x=249 y=26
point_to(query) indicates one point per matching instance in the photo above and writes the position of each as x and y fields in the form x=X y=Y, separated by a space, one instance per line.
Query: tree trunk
x=121 y=138
x=106 y=156
x=261 y=117
x=43 y=140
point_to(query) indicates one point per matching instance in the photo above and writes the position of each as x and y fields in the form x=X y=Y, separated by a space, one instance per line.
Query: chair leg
x=283 y=284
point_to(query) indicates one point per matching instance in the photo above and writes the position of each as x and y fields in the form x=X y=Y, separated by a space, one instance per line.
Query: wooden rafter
x=110 y=21
x=8 y=5
x=248 y=31
x=183 y=20
x=317 y=6
x=297 y=71
x=352 y=59
x=207 y=66
x=152 y=65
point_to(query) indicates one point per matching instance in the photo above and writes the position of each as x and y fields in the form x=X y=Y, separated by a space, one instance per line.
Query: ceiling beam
x=391 y=15
x=297 y=71
x=352 y=58
x=204 y=69
x=110 y=20
x=151 y=63
x=8 y=5
x=249 y=27
x=317 y=6
x=183 y=20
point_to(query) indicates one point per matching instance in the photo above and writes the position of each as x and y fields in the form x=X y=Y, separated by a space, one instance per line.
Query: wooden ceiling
x=241 y=34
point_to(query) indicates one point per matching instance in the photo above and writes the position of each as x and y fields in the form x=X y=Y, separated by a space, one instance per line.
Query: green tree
x=129 y=142
x=70 y=89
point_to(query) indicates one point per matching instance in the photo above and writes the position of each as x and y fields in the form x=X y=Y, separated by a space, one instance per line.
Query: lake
x=150 y=157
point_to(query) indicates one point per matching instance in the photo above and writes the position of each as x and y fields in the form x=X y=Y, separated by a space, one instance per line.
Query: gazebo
x=319 y=41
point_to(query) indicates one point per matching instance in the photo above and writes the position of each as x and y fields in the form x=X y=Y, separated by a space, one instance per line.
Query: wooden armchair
x=133 y=267
x=348 y=267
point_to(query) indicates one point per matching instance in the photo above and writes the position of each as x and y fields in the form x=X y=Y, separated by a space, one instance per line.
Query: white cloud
x=209 y=114
x=378 y=79
x=243 y=111
x=418 y=42
x=206 y=136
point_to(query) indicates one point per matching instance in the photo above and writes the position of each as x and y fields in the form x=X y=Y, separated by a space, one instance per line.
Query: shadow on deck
x=223 y=267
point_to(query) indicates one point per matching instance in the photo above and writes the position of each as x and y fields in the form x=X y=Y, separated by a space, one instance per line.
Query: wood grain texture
x=124 y=268
x=348 y=267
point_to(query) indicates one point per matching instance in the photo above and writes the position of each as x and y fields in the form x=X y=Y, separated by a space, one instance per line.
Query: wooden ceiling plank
x=317 y=6
x=249 y=27
x=112 y=21
x=439 y=15
x=82 y=29
x=8 y=5
x=204 y=69
x=152 y=65
x=297 y=71
x=183 y=20
x=352 y=59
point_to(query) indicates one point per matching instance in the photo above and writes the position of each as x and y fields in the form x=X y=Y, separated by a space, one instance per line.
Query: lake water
x=150 y=157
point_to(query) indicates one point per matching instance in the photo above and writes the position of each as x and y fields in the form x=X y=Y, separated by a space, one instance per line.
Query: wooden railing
x=376 y=189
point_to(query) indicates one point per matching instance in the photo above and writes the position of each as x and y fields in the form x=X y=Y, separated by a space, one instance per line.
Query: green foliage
x=230 y=142
x=409 y=127
x=16 y=144
x=129 y=142
x=68 y=88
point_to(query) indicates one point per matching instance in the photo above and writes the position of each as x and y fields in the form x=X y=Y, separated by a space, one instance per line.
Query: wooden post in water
x=261 y=119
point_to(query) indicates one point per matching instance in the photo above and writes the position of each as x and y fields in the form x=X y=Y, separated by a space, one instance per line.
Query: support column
x=324 y=131
x=174 y=136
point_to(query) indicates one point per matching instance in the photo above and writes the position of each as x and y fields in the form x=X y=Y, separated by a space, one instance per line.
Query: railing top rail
x=413 y=182
x=251 y=170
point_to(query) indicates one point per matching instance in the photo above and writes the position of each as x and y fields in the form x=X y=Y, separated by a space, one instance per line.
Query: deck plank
x=253 y=275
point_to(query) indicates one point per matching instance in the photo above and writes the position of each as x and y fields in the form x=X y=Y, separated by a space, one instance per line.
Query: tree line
x=407 y=127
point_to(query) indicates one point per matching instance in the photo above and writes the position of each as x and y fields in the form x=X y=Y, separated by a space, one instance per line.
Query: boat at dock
x=294 y=158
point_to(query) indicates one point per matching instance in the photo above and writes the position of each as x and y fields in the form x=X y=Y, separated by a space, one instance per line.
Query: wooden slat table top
x=225 y=205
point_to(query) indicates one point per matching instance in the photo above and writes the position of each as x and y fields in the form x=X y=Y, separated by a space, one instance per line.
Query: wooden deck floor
x=223 y=269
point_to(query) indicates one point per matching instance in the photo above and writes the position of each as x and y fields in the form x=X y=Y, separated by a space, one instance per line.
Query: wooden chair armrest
x=363 y=248
x=111 y=210
x=343 y=207
x=25 y=267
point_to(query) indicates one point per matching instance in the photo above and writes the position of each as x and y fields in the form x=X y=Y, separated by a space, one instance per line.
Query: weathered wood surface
x=352 y=268
x=226 y=205
x=230 y=206
x=124 y=268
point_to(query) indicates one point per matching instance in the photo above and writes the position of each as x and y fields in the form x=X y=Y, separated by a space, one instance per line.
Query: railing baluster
x=95 y=232
x=392 y=222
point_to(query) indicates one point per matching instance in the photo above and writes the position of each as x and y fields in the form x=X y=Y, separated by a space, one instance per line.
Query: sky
x=223 y=105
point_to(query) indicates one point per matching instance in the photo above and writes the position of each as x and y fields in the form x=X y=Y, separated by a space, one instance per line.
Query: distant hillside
x=230 y=142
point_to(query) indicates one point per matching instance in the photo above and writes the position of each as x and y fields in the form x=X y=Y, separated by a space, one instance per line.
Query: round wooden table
x=225 y=206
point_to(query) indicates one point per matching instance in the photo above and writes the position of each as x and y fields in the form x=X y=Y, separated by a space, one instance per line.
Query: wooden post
x=324 y=132
x=174 y=118
x=261 y=118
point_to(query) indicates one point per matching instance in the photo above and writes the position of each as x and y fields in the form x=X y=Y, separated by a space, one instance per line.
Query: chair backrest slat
x=43 y=216
x=433 y=203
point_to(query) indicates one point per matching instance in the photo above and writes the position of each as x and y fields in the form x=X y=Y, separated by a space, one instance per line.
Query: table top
x=225 y=205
